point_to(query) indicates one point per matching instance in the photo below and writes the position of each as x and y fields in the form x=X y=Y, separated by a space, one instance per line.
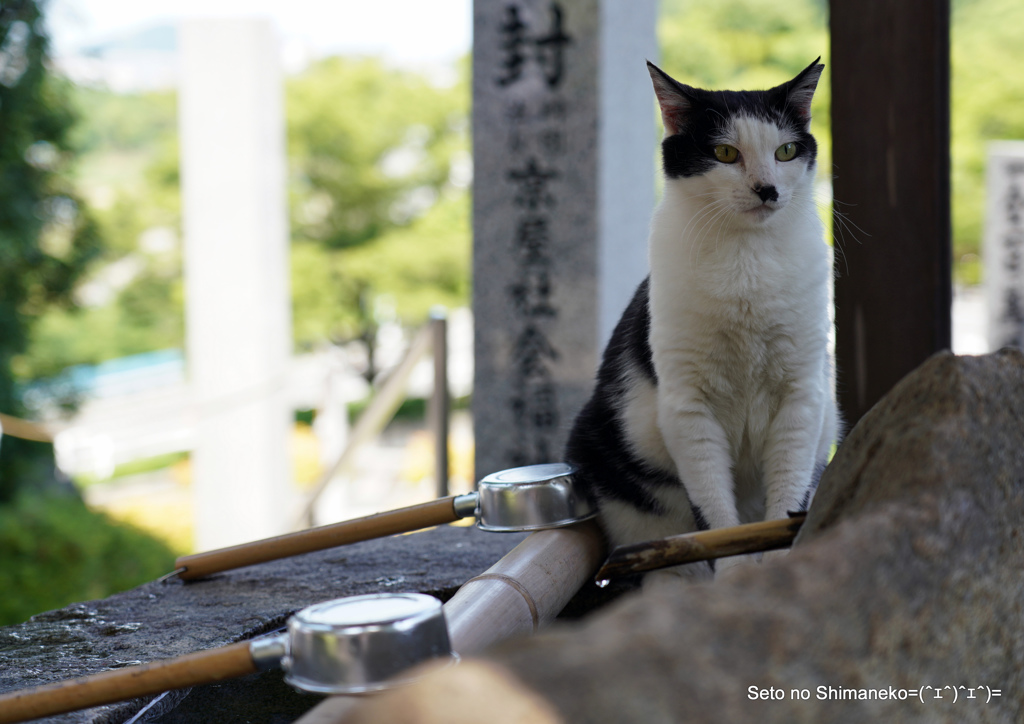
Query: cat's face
x=743 y=154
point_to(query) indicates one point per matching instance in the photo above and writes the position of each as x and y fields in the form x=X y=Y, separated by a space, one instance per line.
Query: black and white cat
x=715 y=399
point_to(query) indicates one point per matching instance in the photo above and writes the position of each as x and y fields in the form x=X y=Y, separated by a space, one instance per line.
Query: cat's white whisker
x=709 y=215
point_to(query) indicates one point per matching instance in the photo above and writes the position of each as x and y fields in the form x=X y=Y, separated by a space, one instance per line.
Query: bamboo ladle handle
x=703 y=546
x=403 y=520
x=203 y=667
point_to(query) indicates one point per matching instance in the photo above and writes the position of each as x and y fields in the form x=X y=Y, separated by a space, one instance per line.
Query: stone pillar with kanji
x=1004 y=244
x=564 y=145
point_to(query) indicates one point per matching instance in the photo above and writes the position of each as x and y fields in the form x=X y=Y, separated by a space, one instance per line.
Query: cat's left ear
x=800 y=91
x=673 y=98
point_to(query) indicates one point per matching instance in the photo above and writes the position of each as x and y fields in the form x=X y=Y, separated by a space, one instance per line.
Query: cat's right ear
x=673 y=99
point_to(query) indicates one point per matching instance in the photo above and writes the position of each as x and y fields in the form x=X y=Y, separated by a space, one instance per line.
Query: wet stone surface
x=162 y=620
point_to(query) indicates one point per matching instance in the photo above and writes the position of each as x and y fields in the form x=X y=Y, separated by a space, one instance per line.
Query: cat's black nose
x=766 y=193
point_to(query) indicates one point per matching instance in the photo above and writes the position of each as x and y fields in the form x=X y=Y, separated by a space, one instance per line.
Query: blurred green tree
x=133 y=300
x=373 y=152
x=55 y=550
x=987 y=95
x=47 y=237
x=369 y=147
x=408 y=269
x=378 y=169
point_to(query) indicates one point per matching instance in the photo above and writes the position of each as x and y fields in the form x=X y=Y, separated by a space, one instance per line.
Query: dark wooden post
x=890 y=139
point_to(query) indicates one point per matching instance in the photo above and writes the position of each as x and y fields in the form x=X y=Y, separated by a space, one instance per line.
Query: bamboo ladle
x=701 y=546
x=520 y=499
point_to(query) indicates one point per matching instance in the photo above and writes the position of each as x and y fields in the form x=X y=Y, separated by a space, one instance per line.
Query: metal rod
x=703 y=546
x=440 y=400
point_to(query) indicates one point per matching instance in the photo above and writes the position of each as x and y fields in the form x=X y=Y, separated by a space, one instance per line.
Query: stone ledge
x=162 y=620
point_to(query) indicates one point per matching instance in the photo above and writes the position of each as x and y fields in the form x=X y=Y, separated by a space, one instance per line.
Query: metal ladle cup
x=519 y=499
x=358 y=644
x=531 y=498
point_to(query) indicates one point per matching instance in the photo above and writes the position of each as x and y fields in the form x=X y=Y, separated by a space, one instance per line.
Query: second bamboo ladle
x=520 y=499
x=350 y=645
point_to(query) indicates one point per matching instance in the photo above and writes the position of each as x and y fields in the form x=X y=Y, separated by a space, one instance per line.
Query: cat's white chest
x=733 y=359
x=737 y=330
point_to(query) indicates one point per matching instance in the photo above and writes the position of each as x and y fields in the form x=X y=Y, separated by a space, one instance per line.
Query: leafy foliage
x=987 y=94
x=373 y=213
x=144 y=316
x=123 y=122
x=47 y=238
x=134 y=301
x=369 y=148
x=410 y=268
x=54 y=551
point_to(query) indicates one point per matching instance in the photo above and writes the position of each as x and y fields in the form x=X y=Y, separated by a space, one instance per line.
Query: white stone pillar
x=564 y=145
x=236 y=277
x=1003 y=252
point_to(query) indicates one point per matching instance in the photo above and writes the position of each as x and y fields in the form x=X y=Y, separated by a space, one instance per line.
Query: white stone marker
x=236 y=276
x=1003 y=251
x=564 y=146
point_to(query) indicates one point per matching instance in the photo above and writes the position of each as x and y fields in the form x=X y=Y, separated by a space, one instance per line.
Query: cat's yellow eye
x=786 y=152
x=726 y=154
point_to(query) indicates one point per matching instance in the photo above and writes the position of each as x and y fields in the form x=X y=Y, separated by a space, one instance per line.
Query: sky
x=405 y=31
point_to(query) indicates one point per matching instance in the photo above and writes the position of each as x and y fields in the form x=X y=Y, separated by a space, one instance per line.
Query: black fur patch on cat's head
x=696 y=119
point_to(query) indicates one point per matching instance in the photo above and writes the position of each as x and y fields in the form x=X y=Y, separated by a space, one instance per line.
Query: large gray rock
x=905 y=582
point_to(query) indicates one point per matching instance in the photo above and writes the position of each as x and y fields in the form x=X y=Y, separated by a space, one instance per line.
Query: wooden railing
x=16 y=427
